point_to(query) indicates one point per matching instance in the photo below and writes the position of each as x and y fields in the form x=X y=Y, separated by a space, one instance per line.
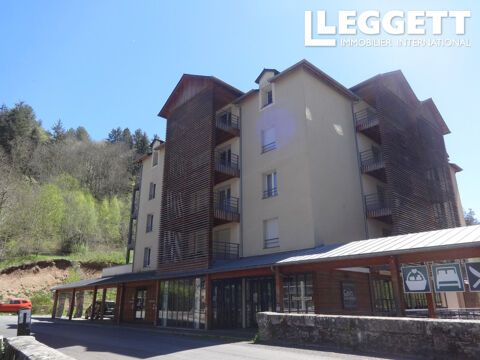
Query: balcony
x=372 y=163
x=270 y=193
x=378 y=207
x=366 y=122
x=269 y=147
x=228 y=126
x=223 y=250
x=271 y=243
x=227 y=166
x=225 y=210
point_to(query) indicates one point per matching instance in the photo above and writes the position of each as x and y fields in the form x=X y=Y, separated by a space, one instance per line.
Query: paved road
x=107 y=342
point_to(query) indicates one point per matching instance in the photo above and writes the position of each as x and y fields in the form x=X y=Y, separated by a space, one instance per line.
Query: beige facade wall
x=143 y=239
x=333 y=164
x=316 y=162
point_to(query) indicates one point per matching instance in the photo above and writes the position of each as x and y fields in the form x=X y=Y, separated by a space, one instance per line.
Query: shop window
x=182 y=303
x=298 y=293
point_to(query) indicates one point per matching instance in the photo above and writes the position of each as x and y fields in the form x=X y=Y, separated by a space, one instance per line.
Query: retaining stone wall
x=429 y=338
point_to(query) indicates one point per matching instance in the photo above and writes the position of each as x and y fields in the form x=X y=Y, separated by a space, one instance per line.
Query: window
x=225 y=156
x=149 y=223
x=146 y=257
x=155 y=159
x=151 y=192
x=223 y=200
x=268 y=140
x=271 y=233
x=298 y=293
x=266 y=96
x=270 y=185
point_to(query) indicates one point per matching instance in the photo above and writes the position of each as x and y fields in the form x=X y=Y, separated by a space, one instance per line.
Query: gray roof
x=393 y=245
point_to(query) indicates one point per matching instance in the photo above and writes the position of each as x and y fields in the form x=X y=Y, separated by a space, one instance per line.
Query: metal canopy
x=447 y=239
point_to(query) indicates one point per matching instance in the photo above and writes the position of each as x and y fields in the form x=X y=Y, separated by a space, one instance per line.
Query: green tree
x=58 y=131
x=48 y=214
x=110 y=219
x=470 y=218
x=127 y=137
x=19 y=123
x=80 y=222
x=81 y=134
x=141 y=142
x=115 y=135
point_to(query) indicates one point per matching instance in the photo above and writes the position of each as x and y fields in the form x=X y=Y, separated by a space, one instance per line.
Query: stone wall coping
x=27 y=348
x=364 y=317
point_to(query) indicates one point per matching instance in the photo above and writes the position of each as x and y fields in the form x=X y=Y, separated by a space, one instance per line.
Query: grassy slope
x=42 y=300
x=97 y=256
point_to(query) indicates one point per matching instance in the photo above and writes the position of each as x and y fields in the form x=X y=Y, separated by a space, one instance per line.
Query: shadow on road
x=136 y=343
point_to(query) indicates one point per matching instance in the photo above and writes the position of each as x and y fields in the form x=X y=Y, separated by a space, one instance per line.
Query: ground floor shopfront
x=328 y=282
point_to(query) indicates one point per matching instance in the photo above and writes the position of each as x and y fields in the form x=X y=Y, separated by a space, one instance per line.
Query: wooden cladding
x=419 y=186
x=187 y=217
x=187 y=213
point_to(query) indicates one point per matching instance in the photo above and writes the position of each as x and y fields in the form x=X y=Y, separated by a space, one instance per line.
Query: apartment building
x=283 y=174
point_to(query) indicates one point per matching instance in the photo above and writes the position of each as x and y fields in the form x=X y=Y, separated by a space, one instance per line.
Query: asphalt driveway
x=83 y=340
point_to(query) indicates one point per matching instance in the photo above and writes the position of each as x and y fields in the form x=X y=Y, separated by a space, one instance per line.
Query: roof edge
x=319 y=74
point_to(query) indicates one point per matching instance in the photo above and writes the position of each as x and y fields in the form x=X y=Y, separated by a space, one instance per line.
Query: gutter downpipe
x=241 y=183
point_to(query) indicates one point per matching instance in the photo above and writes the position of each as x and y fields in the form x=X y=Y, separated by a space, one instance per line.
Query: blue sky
x=103 y=64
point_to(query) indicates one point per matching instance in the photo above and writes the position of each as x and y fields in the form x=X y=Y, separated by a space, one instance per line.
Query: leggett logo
x=395 y=22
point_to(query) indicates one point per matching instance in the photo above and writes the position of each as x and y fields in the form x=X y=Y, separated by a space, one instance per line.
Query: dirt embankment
x=22 y=280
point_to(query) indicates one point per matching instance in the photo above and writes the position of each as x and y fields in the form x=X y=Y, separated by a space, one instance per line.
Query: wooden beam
x=316 y=292
x=72 y=305
x=120 y=290
x=279 y=290
x=102 y=306
x=94 y=300
x=242 y=273
x=55 y=300
x=430 y=305
x=397 y=286
x=155 y=305
x=208 y=301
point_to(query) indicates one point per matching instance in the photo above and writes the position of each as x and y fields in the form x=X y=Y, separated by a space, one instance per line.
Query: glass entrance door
x=227 y=303
x=260 y=293
x=140 y=298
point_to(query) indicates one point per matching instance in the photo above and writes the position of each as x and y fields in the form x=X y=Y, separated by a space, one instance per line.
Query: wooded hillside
x=60 y=191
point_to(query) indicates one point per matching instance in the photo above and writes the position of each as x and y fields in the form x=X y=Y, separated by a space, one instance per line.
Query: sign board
x=24 y=321
x=473 y=274
x=448 y=277
x=349 y=295
x=416 y=279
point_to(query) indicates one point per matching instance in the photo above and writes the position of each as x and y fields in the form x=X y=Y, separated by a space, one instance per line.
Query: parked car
x=108 y=309
x=13 y=305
